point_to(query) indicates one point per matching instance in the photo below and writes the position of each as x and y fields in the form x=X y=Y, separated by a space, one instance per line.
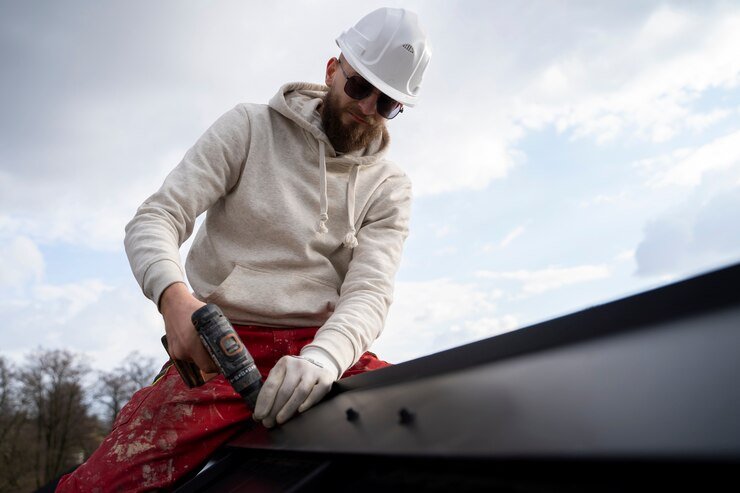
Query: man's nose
x=369 y=104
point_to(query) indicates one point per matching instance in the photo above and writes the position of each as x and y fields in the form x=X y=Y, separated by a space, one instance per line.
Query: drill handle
x=189 y=371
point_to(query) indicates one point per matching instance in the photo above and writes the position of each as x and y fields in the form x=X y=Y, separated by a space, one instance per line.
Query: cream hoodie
x=294 y=235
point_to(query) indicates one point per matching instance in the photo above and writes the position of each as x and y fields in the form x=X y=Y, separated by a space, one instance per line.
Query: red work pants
x=168 y=430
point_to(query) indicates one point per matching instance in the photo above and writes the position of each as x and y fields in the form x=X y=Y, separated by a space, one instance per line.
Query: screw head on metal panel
x=405 y=416
x=352 y=415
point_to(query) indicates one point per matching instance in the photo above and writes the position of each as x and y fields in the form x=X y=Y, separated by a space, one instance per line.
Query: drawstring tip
x=321 y=227
x=350 y=241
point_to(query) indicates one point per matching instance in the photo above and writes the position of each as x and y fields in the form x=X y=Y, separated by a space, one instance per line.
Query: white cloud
x=469 y=331
x=62 y=302
x=488 y=327
x=77 y=174
x=640 y=82
x=89 y=203
x=603 y=199
x=444 y=251
x=539 y=281
x=430 y=316
x=701 y=121
x=120 y=322
x=87 y=316
x=702 y=233
x=83 y=150
x=471 y=160
x=505 y=241
x=105 y=323
x=20 y=262
x=686 y=167
x=442 y=230
x=512 y=235
x=630 y=76
x=625 y=256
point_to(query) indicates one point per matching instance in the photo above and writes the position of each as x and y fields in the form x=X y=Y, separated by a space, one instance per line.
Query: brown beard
x=353 y=136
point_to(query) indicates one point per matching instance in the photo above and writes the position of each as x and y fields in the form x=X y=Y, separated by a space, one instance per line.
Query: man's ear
x=331 y=69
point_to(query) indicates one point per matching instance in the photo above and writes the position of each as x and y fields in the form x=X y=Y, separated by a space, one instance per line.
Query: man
x=303 y=236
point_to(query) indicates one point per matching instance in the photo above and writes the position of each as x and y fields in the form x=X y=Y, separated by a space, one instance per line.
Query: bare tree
x=46 y=422
x=113 y=391
x=65 y=431
x=14 y=429
x=116 y=387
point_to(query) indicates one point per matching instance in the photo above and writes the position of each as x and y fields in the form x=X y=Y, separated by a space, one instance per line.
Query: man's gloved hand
x=295 y=383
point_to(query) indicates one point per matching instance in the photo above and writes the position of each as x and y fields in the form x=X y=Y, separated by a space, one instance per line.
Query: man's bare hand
x=177 y=306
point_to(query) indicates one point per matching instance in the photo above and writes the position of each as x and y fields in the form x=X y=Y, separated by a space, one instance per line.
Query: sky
x=564 y=154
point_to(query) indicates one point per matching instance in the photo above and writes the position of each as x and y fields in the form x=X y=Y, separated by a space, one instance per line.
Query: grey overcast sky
x=563 y=154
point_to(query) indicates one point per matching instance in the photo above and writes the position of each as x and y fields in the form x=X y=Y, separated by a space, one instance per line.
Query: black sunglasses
x=358 y=88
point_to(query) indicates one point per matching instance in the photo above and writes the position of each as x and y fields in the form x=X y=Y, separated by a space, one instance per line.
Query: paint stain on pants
x=167 y=430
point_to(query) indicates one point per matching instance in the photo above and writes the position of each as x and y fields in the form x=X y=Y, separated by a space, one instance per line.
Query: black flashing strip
x=710 y=291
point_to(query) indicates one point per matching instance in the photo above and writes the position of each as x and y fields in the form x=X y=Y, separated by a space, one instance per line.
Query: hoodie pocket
x=275 y=297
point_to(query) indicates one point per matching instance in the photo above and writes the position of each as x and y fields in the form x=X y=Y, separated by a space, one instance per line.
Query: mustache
x=369 y=120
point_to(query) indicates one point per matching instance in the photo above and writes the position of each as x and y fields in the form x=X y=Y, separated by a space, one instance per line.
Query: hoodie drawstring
x=324 y=216
x=350 y=239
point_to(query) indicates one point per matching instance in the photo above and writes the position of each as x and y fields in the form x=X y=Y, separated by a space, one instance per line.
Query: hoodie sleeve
x=367 y=290
x=209 y=170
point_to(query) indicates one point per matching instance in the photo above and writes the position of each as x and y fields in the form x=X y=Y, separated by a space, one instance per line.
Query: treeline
x=55 y=411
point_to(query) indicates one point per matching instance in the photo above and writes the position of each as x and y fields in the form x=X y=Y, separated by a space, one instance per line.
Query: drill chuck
x=228 y=352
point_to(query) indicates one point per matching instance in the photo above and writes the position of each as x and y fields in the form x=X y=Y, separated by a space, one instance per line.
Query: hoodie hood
x=300 y=102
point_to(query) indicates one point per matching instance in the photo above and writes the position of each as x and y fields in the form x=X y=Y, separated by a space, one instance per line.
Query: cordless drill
x=228 y=352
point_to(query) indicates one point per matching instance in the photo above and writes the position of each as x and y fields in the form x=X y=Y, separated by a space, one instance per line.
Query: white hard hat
x=390 y=50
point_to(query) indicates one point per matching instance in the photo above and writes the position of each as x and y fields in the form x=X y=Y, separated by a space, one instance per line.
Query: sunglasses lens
x=357 y=87
x=387 y=107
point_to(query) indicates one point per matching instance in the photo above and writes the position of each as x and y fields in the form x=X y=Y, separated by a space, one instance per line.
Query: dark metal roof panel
x=650 y=376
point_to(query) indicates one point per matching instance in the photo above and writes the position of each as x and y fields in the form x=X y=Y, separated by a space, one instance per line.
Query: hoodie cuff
x=336 y=345
x=159 y=276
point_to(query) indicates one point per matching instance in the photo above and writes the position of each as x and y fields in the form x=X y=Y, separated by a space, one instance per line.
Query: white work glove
x=295 y=383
